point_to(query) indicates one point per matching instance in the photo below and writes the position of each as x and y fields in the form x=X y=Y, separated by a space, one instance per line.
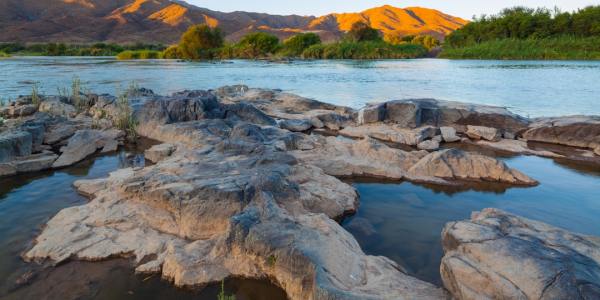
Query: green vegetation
x=294 y=46
x=222 y=295
x=3 y=54
x=364 y=50
x=36 y=99
x=524 y=33
x=61 y=49
x=361 y=32
x=200 y=42
x=139 y=54
x=125 y=119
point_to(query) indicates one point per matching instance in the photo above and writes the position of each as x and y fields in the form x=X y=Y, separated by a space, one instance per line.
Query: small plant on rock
x=125 y=119
x=222 y=295
x=36 y=99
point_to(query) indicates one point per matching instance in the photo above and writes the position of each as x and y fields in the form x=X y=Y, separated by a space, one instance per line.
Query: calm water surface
x=530 y=88
x=404 y=221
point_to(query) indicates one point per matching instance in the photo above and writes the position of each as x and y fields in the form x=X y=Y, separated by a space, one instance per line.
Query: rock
x=26 y=164
x=429 y=145
x=438 y=138
x=371 y=114
x=420 y=112
x=296 y=125
x=497 y=255
x=577 y=131
x=509 y=136
x=54 y=106
x=37 y=131
x=391 y=133
x=248 y=113
x=159 y=152
x=14 y=144
x=480 y=132
x=23 y=110
x=459 y=165
x=449 y=134
x=238 y=206
x=515 y=146
x=59 y=132
x=597 y=150
x=85 y=143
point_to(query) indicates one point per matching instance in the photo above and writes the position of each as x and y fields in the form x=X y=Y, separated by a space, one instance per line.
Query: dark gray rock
x=248 y=113
x=14 y=144
x=296 y=125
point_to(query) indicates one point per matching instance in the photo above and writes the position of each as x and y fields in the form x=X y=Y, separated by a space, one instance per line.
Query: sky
x=461 y=8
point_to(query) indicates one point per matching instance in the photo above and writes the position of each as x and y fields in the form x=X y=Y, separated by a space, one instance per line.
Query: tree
x=172 y=53
x=426 y=41
x=258 y=44
x=199 y=42
x=295 y=45
x=361 y=32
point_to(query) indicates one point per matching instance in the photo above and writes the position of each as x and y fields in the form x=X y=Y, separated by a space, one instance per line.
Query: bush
x=200 y=42
x=257 y=45
x=364 y=50
x=139 y=54
x=295 y=45
x=362 y=32
x=2 y=54
x=172 y=53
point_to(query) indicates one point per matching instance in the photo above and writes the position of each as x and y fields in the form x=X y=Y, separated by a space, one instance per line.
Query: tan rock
x=157 y=153
x=391 y=133
x=85 y=143
x=480 y=132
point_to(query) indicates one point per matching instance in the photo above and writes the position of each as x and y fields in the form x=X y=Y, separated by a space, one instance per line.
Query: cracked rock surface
x=497 y=255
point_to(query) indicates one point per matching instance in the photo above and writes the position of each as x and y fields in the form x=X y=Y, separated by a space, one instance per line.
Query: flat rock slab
x=578 y=131
x=157 y=153
x=497 y=255
x=85 y=143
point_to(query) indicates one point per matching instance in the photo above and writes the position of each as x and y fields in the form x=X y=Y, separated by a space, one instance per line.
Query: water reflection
x=403 y=221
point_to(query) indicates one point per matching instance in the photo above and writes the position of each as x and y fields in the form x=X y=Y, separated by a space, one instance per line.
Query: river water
x=400 y=220
x=530 y=88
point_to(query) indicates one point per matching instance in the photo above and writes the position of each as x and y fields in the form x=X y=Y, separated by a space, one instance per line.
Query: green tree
x=172 y=53
x=295 y=45
x=200 y=41
x=258 y=44
x=426 y=41
x=361 y=32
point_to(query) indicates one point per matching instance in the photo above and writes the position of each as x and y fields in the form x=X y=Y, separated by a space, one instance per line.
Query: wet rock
x=515 y=146
x=14 y=144
x=7 y=169
x=85 y=143
x=58 y=132
x=577 y=131
x=455 y=164
x=296 y=125
x=26 y=164
x=429 y=145
x=449 y=134
x=497 y=255
x=159 y=152
x=391 y=133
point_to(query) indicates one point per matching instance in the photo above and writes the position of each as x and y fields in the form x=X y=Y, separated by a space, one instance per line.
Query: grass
x=561 y=48
x=364 y=50
x=4 y=55
x=125 y=119
x=36 y=99
x=139 y=54
x=222 y=295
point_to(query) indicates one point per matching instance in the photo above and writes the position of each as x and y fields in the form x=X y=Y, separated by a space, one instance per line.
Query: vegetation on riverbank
x=2 y=54
x=361 y=42
x=524 y=33
x=61 y=49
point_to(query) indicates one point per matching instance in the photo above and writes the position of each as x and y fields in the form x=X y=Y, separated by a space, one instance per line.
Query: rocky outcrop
x=157 y=153
x=31 y=163
x=391 y=133
x=497 y=255
x=449 y=134
x=85 y=143
x=237 y=206
x=14 y=144
x=516 y=147
x=577 y=131
x=370 y=158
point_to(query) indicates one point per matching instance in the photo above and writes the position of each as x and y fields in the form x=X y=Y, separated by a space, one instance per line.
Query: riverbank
x=563 y=48
x=266 y=187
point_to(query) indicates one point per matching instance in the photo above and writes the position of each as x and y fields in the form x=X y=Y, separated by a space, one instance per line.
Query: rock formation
x=497 y=255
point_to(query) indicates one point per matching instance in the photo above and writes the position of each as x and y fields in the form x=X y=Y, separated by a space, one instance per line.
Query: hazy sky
x=461 y=8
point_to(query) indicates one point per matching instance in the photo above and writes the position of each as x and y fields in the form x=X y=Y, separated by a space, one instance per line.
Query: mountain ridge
x=163 y=21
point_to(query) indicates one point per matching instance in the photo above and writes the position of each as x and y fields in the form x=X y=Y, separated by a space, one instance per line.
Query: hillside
x=163 y=21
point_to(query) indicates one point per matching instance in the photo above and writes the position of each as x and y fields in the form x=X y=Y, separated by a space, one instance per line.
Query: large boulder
x=56 y=106
x=420 y=112
x=577 y=131
x=391 y=133
x=485 y=133
x=455 y=164
x=497 y=255
x=449 y=134
x=14 y=144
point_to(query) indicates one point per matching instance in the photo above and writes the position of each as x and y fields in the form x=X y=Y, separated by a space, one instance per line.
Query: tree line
x=360 y=42
x=63 y=49
x=528 y=23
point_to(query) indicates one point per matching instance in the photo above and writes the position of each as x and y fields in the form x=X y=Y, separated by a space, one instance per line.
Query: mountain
x=163 y=21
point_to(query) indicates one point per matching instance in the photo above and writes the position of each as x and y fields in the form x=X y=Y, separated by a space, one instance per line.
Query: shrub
x=256 y=45
x=295 y=45
x=139 y=54
x=199 y=42
x=426 y=41
x=361 y=32
x=36 y=99
x=125 y=119
x=172 y=53
x=364 y=50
